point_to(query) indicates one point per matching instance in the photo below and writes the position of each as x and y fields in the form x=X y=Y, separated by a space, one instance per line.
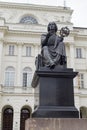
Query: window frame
x=11 y=50
x=9 y=76
x=26 y=82
x=79 y=53
x=28 y=51
x=28 y=20
x=81 y=80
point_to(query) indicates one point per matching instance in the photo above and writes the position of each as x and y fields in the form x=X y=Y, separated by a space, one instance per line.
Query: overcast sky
x=79 y=17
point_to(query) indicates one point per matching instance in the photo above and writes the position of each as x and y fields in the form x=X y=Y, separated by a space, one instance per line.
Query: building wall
x=12 y=32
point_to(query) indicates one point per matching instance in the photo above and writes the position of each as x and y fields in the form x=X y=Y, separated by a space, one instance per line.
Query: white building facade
x=21 y=26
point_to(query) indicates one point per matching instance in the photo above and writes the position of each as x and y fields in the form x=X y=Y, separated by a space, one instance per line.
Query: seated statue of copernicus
x=53 y=48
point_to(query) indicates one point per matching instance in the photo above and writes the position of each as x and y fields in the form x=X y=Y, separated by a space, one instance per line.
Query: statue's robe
x=52 y=49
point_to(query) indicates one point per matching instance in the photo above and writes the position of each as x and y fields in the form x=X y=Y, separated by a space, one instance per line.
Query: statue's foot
x=52 y=66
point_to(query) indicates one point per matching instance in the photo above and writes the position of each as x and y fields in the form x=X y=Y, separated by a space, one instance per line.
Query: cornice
x=76 y=34
x=19 y=32
x=81 y=37
x=35 y=7
x=23 y=32
x=16 y=94
x=3 y=28
x=77 y=28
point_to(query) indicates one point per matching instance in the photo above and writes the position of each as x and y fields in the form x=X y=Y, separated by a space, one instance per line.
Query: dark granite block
x=56 y=96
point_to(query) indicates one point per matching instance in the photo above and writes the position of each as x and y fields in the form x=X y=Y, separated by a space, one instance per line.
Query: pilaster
x=0 y=120
x=86 y=57
x=1 y=54
x=36 y=50
x=72 y=62
x=19 y=64
x=16 y=120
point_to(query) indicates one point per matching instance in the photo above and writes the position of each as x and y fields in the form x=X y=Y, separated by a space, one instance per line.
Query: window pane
x=27 y=77
x=82 y=84
x=28 y=51
x=8 y=110
x=9 y=76
x=28 y=20
x=81 y=80
x=11 y=50
x=78 y=52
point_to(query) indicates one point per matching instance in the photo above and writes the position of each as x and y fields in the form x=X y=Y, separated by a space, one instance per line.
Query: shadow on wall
x=83 y=112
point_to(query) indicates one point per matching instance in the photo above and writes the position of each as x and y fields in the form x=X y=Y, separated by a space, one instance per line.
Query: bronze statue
x=53 y=49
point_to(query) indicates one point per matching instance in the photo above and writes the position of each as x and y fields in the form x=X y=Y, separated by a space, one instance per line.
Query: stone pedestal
x=56 y=124
x=56 y=96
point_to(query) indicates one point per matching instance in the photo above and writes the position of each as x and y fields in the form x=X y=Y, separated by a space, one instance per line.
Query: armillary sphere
x=64 y=32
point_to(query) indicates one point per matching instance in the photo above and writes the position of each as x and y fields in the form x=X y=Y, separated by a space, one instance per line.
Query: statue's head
x=52 y=26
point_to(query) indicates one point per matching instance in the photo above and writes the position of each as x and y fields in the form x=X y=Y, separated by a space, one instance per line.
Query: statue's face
x=52 y=27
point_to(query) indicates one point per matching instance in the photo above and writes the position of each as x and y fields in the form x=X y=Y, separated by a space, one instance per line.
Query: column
x=36 y=50
x=19 y=58
x=16 y=120
x=1 y=49
x=86 y=57
x=0 y=119
x=72 y=61
x=86 y=68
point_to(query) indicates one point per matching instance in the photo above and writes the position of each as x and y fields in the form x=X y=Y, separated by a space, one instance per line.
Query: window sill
x=10 y=55
x=28 y=56
x=79 y=58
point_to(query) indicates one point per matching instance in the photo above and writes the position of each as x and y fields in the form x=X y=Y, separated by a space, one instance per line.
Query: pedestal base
x=56 y=112
x=55 y=124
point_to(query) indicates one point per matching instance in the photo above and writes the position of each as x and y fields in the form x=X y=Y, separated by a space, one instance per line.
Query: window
x=78 y=53
x=28 y=20
x=28 y=51
x=27 y=77
x=9 y=76
x=25 y=114
x=81 y=80
x=11 y=50
x=7 y=119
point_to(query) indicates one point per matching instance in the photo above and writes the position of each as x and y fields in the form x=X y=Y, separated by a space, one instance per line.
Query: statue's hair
x=48 y=28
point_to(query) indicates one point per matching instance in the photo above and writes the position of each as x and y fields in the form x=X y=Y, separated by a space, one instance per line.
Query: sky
x=79 y=8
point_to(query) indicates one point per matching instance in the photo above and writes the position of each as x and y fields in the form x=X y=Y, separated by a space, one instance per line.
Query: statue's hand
x=48 y=35
x=61 y=39
x=44 y=40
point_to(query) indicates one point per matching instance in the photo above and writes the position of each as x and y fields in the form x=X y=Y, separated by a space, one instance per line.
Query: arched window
x=27 y=77
x=9 y=76
x=7 y=119
x=28 y=20
x=25 y=114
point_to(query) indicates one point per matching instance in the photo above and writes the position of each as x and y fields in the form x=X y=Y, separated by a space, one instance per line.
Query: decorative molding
x=3 y=28
x=35 y=7
x=1 y=40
